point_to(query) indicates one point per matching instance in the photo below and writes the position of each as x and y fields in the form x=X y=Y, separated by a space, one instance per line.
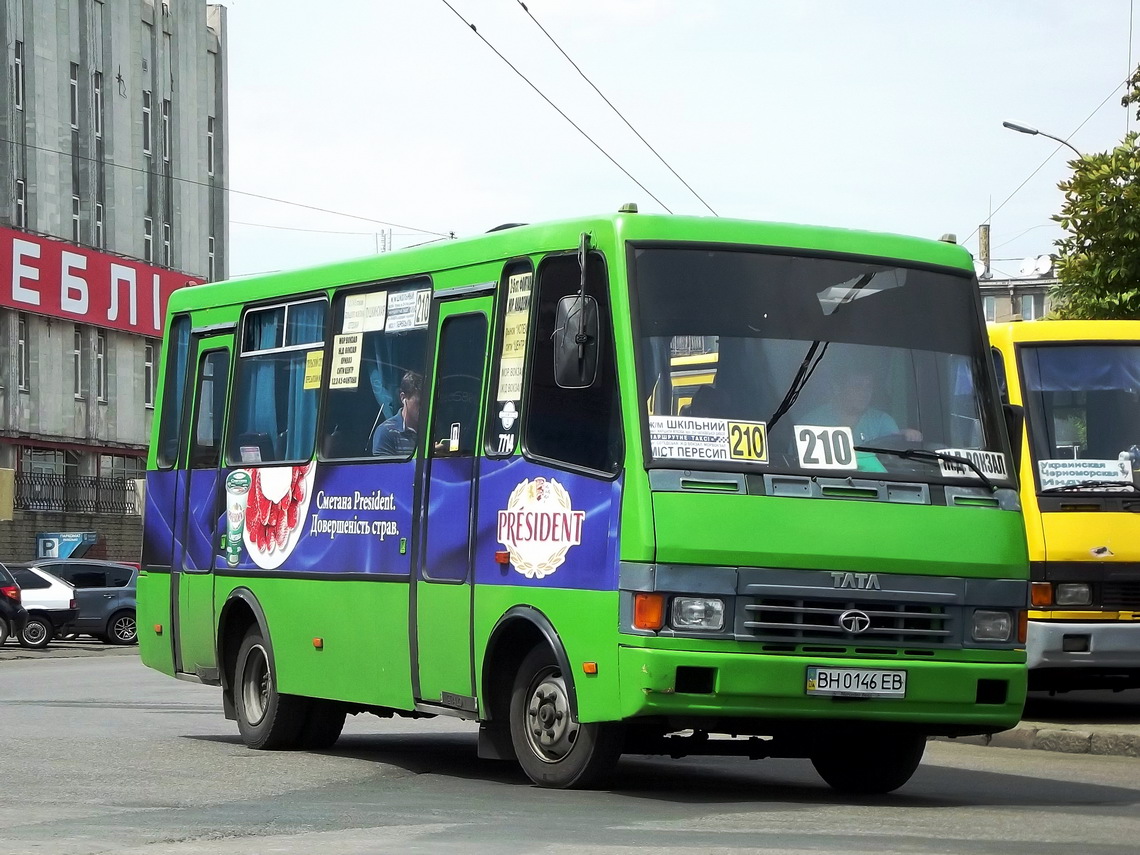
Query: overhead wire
x=224 y=188
x=559 y=110
x=1050 y=157
x=615 y=109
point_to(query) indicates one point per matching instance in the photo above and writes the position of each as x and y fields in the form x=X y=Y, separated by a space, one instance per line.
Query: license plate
x=856 y=682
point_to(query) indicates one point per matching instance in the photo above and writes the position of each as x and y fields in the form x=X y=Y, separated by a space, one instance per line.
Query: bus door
x=442 y=600
x=192 y=584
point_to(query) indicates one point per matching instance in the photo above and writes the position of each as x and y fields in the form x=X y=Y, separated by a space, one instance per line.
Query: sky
x=364 y=118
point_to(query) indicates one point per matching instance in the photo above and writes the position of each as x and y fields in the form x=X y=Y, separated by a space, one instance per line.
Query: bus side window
x=174 y=391
x=581 y=426
x=275 y=396
x=377 y=361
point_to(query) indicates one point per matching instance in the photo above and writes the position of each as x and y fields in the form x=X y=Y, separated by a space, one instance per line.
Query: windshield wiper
x=932 y=457
x=1089 y=484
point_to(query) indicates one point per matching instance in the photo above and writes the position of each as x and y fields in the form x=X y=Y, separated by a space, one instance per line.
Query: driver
x=850 y=405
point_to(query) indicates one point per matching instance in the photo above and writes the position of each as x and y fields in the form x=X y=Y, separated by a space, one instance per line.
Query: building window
x=101 y=365
x=1032 y=307
x=148 y=239
x=210 y=259
x=99 y=224
x=149 y=374
x=77 y=361
x=210 y=145
x=146 y=122
x=989 y=304
x=75 y=219
x=21 y=205
x=18 y=76
x=166 y=129
x=23 y=354
x=74 y=95
x=97 y=103
x=166 y=250
x=114 y=466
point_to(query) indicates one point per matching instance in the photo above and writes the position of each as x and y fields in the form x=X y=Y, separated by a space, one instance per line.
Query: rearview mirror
x=576 y=341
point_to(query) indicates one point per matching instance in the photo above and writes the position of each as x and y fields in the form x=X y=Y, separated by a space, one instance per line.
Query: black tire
x=3 y=632
x=552 y=747
x=324 y=720
x=37 y=632
x=122 y=628
x=870 y=763
x=266 y=718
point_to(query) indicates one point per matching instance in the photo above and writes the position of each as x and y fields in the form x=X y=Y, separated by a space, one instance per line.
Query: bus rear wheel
x=552 y=747
x=869 y=762
x=266 y=718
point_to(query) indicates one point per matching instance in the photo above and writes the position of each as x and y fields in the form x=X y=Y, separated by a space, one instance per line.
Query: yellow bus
x=1079 y=383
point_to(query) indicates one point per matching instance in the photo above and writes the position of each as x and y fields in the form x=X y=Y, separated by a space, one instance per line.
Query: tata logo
x=862 y=581
x=855 y=621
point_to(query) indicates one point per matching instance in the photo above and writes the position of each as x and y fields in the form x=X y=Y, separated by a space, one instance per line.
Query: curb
x=1043 y=737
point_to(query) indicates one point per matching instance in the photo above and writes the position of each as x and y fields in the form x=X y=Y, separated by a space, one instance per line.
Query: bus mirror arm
x=1015 y=429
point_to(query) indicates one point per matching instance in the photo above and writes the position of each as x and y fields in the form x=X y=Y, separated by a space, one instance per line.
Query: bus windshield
x=764 y=362
x=1083 y=410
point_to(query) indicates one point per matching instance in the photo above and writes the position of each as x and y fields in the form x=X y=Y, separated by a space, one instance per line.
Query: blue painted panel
x=449 y=514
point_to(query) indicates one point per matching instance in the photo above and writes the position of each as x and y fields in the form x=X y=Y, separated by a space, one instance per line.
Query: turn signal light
x=590 y=668
x=1022 y=625
x=1041 y=594
x=319 y=643
x=649 y=611
x=158 y=629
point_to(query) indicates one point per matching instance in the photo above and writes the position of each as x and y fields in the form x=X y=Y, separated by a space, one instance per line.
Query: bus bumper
x=944 y=697
x=1087 y=646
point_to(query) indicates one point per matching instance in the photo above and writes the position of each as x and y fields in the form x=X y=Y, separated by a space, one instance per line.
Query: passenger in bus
x=397 y=436
x=850 y=405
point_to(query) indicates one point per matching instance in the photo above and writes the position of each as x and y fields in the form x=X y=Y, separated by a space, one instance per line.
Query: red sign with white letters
x=53 y=277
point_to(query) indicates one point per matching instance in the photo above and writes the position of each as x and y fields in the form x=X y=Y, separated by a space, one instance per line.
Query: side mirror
x=1015 y=428
x=576 y=341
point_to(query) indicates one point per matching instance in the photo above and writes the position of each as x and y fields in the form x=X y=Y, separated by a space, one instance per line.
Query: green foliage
x=1098 y=261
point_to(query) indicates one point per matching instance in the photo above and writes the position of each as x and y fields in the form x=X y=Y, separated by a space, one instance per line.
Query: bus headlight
x=703 y=613
x=991 y=626
x=1072 y=594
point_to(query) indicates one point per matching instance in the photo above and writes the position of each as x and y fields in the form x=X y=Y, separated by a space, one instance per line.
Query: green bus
x=459 y=480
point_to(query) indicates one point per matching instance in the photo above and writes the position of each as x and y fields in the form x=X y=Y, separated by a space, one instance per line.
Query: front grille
x=1121 y=595
x=818 y=619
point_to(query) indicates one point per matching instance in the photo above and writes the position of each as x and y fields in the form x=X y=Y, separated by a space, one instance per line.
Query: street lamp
x=1021 y=129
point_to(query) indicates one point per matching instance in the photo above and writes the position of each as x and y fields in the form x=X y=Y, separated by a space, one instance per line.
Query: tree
x=1098 y=261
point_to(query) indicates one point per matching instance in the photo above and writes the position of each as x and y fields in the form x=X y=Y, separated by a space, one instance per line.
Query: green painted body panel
x=363 y=627
x=152 y=616
x=839 y=534
x=764 y=686
x=443 y=628
x=586 y=623
x=198 y=648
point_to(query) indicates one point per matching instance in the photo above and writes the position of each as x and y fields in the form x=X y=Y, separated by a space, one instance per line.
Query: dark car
x=12 y=613
x=106 y=594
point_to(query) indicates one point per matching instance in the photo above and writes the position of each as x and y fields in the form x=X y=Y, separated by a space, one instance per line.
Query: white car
x=50 y=601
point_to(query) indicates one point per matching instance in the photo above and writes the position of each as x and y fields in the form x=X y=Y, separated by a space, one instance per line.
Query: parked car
x=106 y=594
x=13 y=615
x=50 y=603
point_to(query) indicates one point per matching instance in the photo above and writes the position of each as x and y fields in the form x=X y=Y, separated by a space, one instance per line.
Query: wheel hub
x=551 y=731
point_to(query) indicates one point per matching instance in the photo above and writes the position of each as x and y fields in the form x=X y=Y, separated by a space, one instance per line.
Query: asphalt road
x=101 y=755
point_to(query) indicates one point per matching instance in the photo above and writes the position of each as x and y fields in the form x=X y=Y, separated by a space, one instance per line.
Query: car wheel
x=3 y=632
x=553 y=749
x=266 y=718
x=121 y=628
x=37 y=632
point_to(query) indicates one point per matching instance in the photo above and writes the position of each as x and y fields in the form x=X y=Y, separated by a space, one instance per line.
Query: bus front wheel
x=869 y=762
x=552 y=747
x=266 y=718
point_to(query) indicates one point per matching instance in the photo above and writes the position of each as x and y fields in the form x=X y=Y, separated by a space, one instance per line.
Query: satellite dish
x=1028 y=267
x=1043 y=265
